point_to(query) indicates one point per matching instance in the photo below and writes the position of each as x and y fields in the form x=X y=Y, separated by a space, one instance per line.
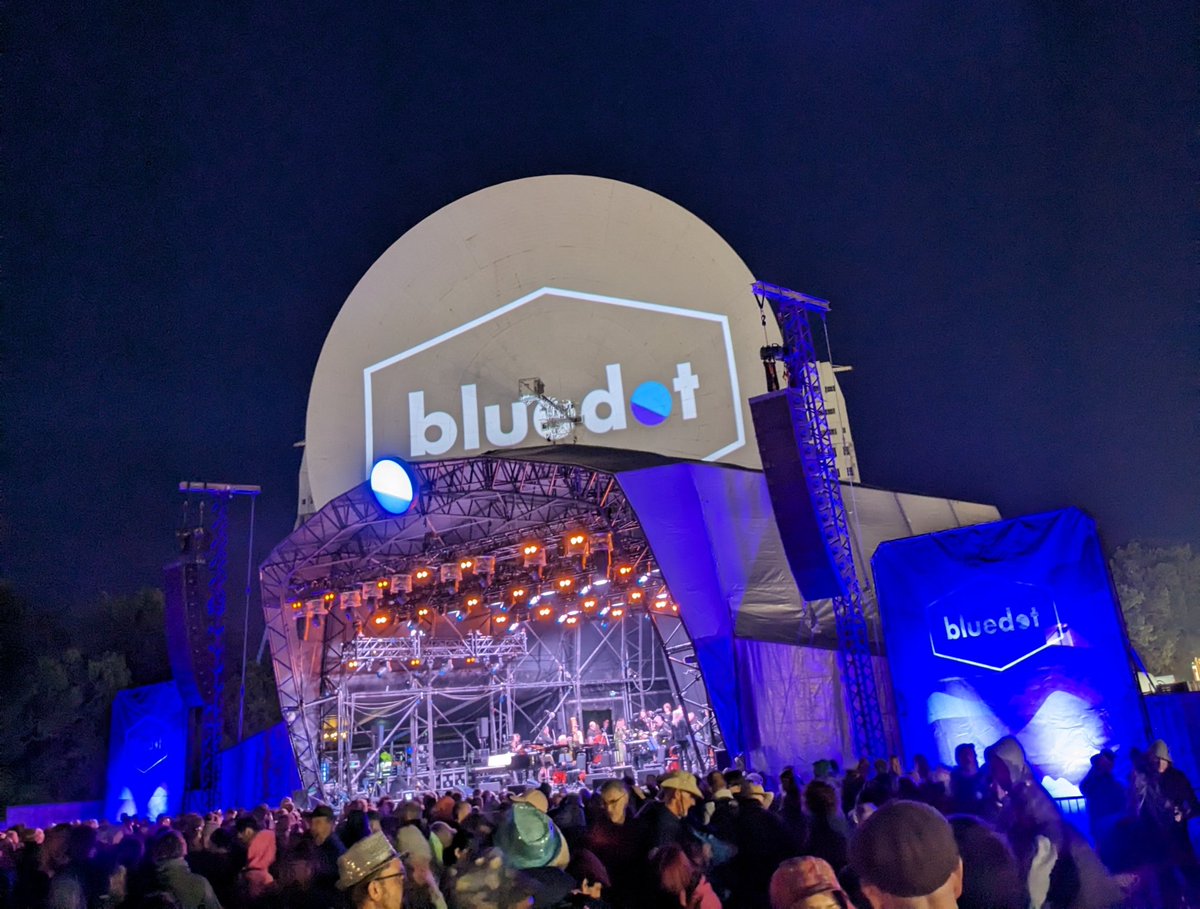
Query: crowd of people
x=972 y=837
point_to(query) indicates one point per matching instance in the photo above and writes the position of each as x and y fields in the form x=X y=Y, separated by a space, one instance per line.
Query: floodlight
x=392 y=483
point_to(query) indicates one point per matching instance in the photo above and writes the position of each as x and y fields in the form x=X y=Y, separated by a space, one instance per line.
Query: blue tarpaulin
x=1009 y=627
x=262 y=768
x=147 y=752
x=714 y=537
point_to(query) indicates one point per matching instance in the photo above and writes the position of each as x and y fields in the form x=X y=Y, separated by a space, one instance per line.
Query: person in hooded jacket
x=255 y=880
x=1168 y=802
x=1059 y=868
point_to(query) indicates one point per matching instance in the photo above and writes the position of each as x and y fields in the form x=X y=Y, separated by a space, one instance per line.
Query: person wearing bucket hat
x=371 y=873
x=533 y=845
x=807 y=882
x=529 y=839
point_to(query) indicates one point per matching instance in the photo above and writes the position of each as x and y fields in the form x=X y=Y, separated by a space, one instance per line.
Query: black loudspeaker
x=805 y=541
x=1172 y=688
x=185 y=595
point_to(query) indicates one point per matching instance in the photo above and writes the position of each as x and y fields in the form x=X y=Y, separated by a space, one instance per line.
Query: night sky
x=999 y=199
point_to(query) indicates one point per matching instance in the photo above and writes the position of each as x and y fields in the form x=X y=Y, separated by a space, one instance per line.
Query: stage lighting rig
x=450 y=574
x=553 y=418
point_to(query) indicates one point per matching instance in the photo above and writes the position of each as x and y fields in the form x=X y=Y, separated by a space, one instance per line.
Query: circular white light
x=393 y=485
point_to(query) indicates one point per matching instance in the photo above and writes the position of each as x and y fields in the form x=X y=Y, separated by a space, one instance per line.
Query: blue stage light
x=392 y=483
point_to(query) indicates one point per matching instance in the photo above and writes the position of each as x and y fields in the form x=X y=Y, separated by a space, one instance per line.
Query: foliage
x=1159 y=589
x=262 y=700
x=59 y=675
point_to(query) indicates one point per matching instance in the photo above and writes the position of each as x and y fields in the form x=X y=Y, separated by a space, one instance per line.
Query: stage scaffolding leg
x=626 y=700
x=510 y=718
x=430 y=759
x=414 y=750
x=344 y=732
x=577 y=683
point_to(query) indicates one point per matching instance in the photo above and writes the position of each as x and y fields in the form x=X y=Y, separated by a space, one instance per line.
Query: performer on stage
x=682 y=733
x=660 y=738
x=620 y=734
x=545 y=737
x=642 y=723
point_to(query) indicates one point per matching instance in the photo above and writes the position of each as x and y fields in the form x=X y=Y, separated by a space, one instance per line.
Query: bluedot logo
x=650 y=403
x=393 y=486
x=603 y=410
x=993 y=623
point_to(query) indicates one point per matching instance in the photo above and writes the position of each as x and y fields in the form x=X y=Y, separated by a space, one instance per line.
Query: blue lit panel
x=147 y=752
x=1009 y=627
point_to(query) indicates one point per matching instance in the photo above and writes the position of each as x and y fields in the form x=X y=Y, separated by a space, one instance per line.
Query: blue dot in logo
x=651 y=403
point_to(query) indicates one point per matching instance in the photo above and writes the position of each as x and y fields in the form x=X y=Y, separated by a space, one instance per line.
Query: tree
x=262 y=700
x=1159 y=590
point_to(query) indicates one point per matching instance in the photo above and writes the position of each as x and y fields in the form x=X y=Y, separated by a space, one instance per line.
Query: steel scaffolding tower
x=806 y=399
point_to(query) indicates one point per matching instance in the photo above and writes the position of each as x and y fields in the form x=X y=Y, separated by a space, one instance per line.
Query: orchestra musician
x=545 y=737
x=620 y=734
x=575 y=734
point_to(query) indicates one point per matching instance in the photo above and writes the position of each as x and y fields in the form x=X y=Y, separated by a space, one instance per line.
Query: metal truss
x=806 y=399
x=479 y=506
x=688 y=684
x=430 y=719
x=482 y=648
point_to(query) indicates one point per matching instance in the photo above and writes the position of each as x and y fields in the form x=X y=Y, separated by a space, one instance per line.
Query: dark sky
x=999 y=199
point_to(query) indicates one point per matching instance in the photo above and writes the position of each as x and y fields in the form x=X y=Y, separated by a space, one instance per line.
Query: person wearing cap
x=371 y=874
x=905 y=857
x=328 y=847
x=665 y=820
x=1106 y=798
x=806 y=882
x=1170 y=803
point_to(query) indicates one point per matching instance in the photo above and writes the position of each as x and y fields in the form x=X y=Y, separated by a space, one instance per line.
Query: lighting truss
x=806 y=399
x=482 y=648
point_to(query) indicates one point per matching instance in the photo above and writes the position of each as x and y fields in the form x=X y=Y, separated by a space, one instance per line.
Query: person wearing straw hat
x=664 y=821
x=371 y=874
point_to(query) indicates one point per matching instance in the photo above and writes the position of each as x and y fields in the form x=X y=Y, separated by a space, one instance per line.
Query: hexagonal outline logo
x=722 y=320
x=160 y=727
x=945 y=656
